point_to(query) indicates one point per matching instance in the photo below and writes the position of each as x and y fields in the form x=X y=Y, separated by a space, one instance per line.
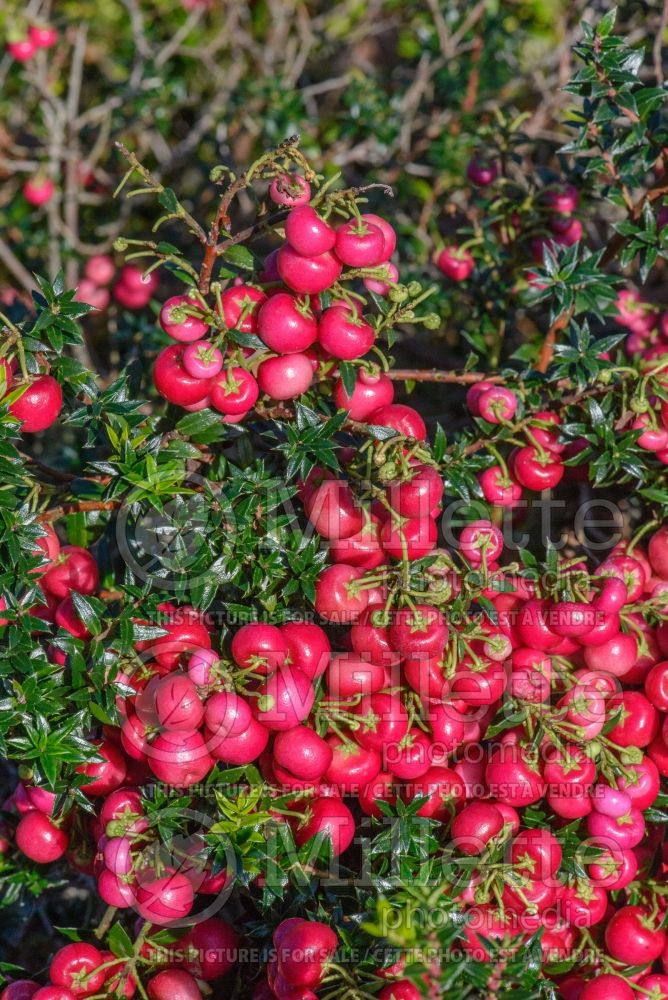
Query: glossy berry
x=344 y=335
x=331 y=817
x=370 y=392
x=75 y=967
x=497 y=404
x=285 y=377
x=202 y=360
x=39 y=406
x=308 y=275
x=286 y=324
x=173 y=984
x=455 y=263
x=307 y=233
x=178 y=322
x=235 y=391
x=39 y=839
x=403 y=419
x=173 y=381
x=240 y=305
x=74 y=571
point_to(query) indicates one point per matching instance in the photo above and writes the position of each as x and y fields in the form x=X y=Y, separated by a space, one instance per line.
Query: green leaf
x=239 y=256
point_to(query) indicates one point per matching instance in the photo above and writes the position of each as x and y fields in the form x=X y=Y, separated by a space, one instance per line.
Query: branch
x=15 y=267
x=547 y=350
x=434 y=375
x=153 y=183
x=77 y=507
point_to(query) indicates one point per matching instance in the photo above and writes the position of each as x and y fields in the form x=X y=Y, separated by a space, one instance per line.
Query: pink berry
x=202 y=360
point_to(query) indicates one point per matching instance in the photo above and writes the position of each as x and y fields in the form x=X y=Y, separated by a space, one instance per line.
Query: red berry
x=39 y=839
x=285 y=699
x=370 y=393
x=307 y=233
x=499 y=488
x=74 y=967
x=303 y=951
x=240 y=748
x=352 y=766
x=482 y=171
x=179 y=758
x=173 y=381
x=202 y=360
x=75 y=571
x=214 y=943
x=100 y=269
x=389 y=235
x=497 y=404
x=536 y=853
x=303 y=753
x=286 y=324
x=235 y=391
x=177 y=321
x=350 y=675
x=412 y=538
x=260 y=647
x=536 y=471
x=419 y=495
x=165 y=900
x=475 y=826
x=307 y=275
x=173 y=984
x=43 y=36
x=481 y=541
x=633 y=936
x=290 y=189
x=444 y=790
x=20 y=989
x=22 y=50
x=513 y=777
x=658 y=552
x=107 y=775
x=308 y=647
x=362 y=549
x=332 y=817
x=455 y=263
x=360 y=243
x=344 y=335
x=227 y=714
x=38 y=191
x=402 y=989
x=39 y=405
x=240 y=307
x=177 y=704
x=421 y=629
x=384 y=721
x=333 y=510
x=285 y=377
x=638 y=722
x=401 y=418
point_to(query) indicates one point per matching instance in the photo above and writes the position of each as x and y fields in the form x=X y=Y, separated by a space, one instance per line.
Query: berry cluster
x=553 y=219
x=23 y=45
x=99 y=271
x=307 y=320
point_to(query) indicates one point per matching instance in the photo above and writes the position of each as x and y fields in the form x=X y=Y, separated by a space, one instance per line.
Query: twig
x=547 y=350
x=77 y=507
x=15 y=267
x=434 y=375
